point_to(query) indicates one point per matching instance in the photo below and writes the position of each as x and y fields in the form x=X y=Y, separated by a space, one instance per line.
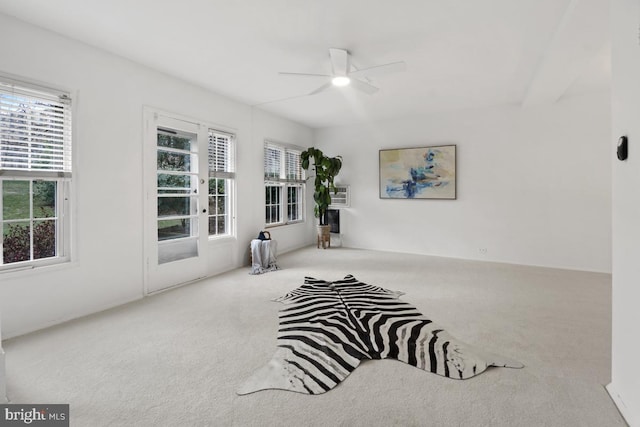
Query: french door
x=176 y=193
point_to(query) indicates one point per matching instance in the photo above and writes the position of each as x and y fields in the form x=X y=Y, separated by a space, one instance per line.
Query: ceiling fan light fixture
x=341 y=73
x=341 y=81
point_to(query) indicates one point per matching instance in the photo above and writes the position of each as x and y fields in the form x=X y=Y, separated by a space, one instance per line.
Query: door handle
x=204 y=210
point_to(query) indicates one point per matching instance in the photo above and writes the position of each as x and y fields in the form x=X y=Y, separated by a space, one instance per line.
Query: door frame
x=174 y=273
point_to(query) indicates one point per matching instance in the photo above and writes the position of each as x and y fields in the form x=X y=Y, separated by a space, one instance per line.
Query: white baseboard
x=631 y=418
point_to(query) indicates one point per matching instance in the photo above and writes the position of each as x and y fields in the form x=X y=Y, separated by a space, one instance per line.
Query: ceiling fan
x=344 y=74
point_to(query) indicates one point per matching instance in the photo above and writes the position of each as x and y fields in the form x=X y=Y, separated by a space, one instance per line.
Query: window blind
x=293 y=167
x=35 y=132
x=282 y=164
x=221 y=164
x=272 y=162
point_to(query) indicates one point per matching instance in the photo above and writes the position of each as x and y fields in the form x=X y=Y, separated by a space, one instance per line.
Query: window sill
x=284 y=224
x=36 y=269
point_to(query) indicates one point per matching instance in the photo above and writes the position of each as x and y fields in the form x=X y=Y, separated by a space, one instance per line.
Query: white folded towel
x=263 y=255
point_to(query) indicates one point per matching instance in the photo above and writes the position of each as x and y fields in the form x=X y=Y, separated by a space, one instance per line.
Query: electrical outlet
x=482 y=250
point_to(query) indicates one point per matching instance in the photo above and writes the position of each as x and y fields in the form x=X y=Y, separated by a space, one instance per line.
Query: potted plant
x=325 y=169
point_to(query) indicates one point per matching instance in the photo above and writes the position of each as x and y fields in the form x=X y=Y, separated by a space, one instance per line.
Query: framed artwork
x=418 y=173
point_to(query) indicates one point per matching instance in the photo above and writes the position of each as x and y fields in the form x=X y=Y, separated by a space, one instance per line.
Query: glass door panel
x=177 y=195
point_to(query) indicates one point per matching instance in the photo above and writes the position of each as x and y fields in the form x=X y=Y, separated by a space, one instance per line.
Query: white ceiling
x=460 y=54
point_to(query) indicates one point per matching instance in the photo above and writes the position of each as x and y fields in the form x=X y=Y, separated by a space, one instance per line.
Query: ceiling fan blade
x=321 y=88
x=379 y=70
x=303 y=74
x=364 y=87
x=339 y=61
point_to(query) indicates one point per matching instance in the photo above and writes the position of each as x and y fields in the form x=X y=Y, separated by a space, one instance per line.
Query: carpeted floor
x=176 y=359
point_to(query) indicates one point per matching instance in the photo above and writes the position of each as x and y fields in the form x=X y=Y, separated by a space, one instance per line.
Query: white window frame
x=281 y=174
x=47 y=156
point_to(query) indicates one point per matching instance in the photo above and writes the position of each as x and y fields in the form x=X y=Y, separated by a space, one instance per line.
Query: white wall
x=533 y=185
x=625 y=105
x=109 y=94
x=3 y=382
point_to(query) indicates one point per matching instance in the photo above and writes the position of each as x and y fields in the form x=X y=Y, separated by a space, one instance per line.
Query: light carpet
x=176 y=359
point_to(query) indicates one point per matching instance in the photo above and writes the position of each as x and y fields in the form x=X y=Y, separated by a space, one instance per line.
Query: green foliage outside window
x=16 y=235
x=16 y=243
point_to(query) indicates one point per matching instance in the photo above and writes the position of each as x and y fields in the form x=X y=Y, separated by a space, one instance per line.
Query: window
x=284 y=184
x=177 y=176
x=221 y=177
x=35 y=174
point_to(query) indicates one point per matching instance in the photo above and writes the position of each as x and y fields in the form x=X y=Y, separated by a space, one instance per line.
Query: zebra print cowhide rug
x=327 y=328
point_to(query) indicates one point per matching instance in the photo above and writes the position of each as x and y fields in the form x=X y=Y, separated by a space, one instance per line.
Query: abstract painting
x=418 y=173
x=327 y=328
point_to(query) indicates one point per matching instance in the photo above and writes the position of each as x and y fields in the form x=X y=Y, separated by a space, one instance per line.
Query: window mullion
x=31 y=221
x=281 y=198
x=283 y=191
x=59 y=220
